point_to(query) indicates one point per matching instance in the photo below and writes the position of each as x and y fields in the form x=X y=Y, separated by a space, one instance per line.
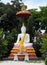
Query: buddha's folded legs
x=22 y=49
x=28 y=44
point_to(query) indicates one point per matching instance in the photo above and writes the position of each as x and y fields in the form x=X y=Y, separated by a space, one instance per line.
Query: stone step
x=28 y=50
x=38 y=58
x=31 y=54
x=21 y=56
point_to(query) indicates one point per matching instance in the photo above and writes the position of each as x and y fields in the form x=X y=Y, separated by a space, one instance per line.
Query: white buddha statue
x=26 y=38
x=23 y=41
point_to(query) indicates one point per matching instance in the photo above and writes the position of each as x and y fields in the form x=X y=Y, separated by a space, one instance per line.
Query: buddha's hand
x=15 y=44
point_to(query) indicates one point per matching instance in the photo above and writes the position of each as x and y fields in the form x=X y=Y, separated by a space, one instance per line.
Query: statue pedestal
x=30 y=53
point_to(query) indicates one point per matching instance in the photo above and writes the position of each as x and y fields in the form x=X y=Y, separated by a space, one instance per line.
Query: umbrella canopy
x=23 y=13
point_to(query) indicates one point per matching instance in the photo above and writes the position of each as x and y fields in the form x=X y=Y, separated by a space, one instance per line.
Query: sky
x=31 y=4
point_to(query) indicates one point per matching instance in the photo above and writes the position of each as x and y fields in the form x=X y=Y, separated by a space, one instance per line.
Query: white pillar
x=26 y=57
x=15 y=57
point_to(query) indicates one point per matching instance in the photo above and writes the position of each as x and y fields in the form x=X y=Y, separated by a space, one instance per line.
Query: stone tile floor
x=20 y=63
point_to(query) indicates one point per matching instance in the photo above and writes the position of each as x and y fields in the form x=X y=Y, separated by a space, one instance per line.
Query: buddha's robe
x=21 y=42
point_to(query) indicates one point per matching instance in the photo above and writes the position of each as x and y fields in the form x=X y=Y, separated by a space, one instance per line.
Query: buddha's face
x=23 y=29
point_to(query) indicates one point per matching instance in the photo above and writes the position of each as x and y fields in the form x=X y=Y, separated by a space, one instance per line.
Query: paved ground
x=19 y=63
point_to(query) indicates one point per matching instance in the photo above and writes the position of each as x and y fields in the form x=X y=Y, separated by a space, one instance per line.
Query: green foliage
x=4 y=49
x=44 y=46
x=7 y=43
x=8 y=21
x=3 y=45
x=12 y=34
x=46 y=61
x=1 y=33
x=11 y=38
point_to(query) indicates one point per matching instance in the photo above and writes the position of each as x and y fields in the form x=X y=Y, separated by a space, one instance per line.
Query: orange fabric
x=22 y=41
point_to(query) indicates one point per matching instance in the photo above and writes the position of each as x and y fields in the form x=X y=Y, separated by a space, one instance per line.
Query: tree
x=43 y=17
x=8 y=15
x=8 y=22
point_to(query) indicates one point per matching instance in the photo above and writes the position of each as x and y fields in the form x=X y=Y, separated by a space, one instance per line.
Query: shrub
x=44 y=46
x=46 y=61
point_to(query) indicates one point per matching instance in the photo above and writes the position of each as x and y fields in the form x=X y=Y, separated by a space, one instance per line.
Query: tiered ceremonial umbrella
x=23 y=13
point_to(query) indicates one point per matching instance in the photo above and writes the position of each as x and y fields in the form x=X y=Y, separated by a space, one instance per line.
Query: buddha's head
x=23 y=29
